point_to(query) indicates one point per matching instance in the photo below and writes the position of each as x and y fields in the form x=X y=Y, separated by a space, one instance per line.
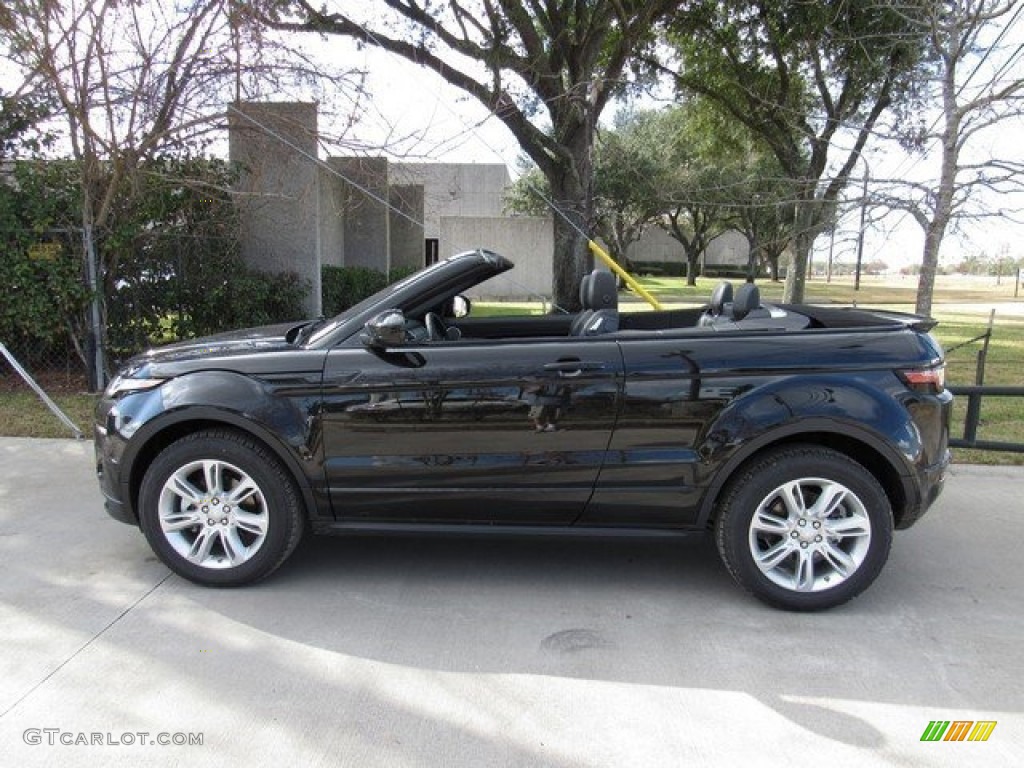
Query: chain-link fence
x=161 y=288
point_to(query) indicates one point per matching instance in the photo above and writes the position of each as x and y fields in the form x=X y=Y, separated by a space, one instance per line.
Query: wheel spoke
x=244 y=490
x=251 y=523
x=831 y=499
x=846 y=527
x=233 y=546
x=766 y=522
x=793 y=497
x=771 y=557
x=179 y=485
x=843 y=564
x=213 y=472
x=803 y=575
x=176 y=521
x=199 y=552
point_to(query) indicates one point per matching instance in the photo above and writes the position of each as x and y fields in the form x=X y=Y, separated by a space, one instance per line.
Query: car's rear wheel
x=219 y=509
x=804 y=528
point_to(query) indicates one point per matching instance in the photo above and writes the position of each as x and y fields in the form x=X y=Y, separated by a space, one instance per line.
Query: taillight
x=930 y=380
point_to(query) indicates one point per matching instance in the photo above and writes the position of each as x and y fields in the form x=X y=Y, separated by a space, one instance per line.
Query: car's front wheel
x=804 y=528
x=219 y=509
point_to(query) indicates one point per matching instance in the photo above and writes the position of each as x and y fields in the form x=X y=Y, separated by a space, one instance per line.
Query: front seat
x=599 y=294
x=748 y=298
x=721 y=296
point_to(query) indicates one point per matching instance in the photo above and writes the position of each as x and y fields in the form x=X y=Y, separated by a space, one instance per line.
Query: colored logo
x=958 y=730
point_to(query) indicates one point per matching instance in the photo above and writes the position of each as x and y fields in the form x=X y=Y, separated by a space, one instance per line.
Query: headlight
x=123 y=385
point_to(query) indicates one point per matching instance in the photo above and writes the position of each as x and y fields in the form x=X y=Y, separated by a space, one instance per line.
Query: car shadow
x=648 y=612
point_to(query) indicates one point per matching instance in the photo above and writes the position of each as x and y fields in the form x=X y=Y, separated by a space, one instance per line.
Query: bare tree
x=132 y=80
x=979 y=86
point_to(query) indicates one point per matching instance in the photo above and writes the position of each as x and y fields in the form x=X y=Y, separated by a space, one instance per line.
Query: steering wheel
x=436 y=330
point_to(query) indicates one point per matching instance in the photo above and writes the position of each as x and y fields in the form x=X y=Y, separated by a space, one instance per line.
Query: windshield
x=461 y=270
x=322 y=329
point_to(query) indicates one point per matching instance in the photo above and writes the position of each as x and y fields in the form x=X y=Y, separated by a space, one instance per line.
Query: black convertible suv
x=800 y=436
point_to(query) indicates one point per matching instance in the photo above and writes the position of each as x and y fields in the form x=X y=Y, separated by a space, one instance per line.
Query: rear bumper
x=931 y=482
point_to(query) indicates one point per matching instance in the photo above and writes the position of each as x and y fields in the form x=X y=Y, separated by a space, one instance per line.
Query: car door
x=486 y=431
x=652 y=473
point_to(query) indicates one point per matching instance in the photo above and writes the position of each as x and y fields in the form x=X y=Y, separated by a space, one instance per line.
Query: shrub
x=344 y=287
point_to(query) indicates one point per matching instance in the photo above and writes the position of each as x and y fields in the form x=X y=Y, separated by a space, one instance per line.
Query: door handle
x=573 y=367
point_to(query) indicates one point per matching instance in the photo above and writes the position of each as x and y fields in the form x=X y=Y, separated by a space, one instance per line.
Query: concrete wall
x=297 y=214
x=367 y=216
x=279 y=189
x=656 y=245
x=406 y=226
x=528 y=242
x=332 y=216
x=728 y=249
x=466 y=190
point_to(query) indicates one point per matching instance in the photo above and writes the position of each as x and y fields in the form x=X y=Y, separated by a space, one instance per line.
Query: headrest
x=748 y=298
x=599 y=290
x=719 y=297
x=584 y=290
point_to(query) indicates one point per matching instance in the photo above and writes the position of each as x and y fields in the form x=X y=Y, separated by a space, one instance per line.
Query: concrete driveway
x=433 y=652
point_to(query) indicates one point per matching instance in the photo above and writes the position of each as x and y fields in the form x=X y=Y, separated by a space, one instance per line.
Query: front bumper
x=108 y=473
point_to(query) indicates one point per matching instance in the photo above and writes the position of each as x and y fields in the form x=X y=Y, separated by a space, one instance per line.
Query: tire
x=219 y=509
x=804 y=528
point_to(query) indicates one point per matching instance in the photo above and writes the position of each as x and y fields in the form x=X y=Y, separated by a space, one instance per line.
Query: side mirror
x=460 y=306
x=386 y=329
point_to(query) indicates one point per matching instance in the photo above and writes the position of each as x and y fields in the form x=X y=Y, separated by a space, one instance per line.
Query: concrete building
x=275 y=146
x=729 y=251
x=300 y=212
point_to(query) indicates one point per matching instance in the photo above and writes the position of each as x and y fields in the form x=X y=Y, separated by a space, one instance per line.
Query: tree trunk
x=692 y=265
x=936 y=228
x=95 y=342
x=571 y=193
x=801 y=242
x=929 y=267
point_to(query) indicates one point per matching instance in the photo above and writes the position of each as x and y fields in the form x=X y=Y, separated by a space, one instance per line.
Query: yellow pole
x=602 y=254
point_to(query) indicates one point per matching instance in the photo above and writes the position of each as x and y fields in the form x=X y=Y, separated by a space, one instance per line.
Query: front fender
x=280 y=414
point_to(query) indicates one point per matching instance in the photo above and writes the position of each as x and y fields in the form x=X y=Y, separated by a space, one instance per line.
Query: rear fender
x=870 y=425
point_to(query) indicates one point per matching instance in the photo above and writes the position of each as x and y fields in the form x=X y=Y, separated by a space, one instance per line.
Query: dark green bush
x=42 y=287
x=169 y=260
x=344 y=287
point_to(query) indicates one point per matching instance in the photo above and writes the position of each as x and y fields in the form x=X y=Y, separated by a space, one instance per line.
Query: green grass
x=23 y=414
x=889 y=291
x=1002 y=418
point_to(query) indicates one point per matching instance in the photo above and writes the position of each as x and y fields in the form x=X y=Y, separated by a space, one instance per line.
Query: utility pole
x=860 y=234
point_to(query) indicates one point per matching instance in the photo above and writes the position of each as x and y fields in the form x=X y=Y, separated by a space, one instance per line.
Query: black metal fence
x=969 y=438
x=977 y=392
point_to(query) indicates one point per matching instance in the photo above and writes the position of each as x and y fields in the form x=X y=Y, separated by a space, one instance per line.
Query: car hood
x=247 y=341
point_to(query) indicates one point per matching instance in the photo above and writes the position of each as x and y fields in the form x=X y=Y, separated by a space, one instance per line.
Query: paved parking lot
x=434 y=652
